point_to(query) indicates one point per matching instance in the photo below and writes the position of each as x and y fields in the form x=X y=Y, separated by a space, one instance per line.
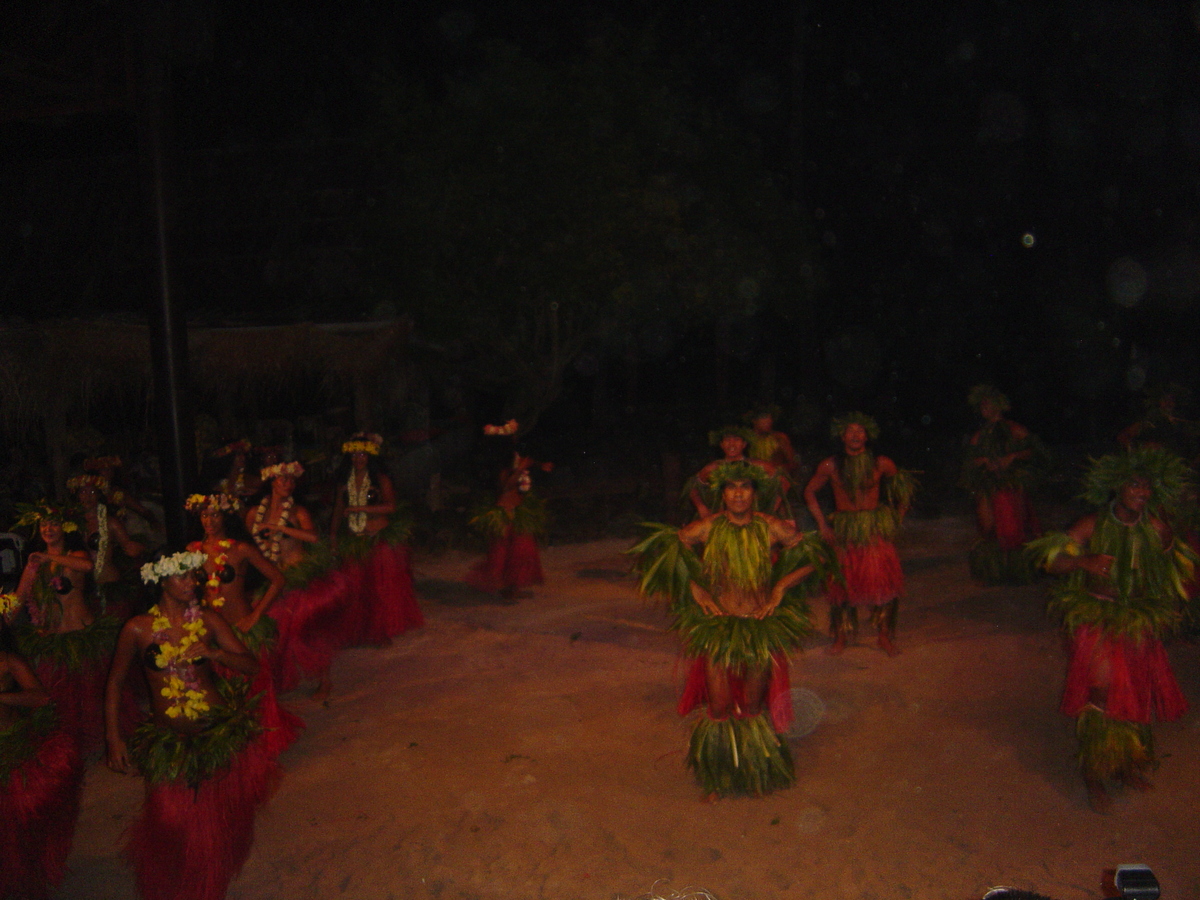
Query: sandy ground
x=533 y=751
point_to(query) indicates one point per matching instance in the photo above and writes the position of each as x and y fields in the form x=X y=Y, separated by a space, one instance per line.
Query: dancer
x=41 y=777
x=226 y=563
x=739 y=609
x=119 y=498
x=281 y=528
x=205 y=751
x=1001 y=465
x=366 y=527
x=772 y=446
x=862 y=531
x=105 y=535
x=733 y=441
x=512 y=527
x=1125 y=575
x=315 y=615
x=68 y=645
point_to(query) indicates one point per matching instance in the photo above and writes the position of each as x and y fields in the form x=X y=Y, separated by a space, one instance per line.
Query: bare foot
x=838 y=645
x=886 y=645
x=1098 y=798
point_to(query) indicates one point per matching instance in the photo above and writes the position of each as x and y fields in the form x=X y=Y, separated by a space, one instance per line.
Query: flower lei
x=182 y=687
x=220 y=560
x=357 y=496
x=102 y=549
x=270 y=546
x=8 y=603
x=176 y=564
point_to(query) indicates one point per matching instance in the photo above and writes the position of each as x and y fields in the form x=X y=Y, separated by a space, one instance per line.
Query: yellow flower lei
x=185 y=699
x=8 y=602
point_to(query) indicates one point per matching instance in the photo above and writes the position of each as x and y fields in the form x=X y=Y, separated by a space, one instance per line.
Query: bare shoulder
x=884 y=465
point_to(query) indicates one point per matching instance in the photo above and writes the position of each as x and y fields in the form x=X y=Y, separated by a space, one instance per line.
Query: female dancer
x=105 y=533
x=66 y=643
x=226 y=561
x=316 y=614
x=365 y=526
x=205 y=750
x=512 y=527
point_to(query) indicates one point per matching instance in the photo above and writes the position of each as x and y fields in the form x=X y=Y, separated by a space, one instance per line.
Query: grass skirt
x=740 y=756
x=1141 y=685
x=512 y=562
x=871 y=571
x=188 y=842
x=1015 y=521
x=315 y=623
x=390 y=603
x=39 y=803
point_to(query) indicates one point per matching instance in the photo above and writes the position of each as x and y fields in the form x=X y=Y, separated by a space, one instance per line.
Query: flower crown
x=44 y=511
x=242 y=446
x=508 y=428
x=363 y=443
x=175 y=564
x=225 y=503
x=293 y=469
x=96 y=463
x=99 y=482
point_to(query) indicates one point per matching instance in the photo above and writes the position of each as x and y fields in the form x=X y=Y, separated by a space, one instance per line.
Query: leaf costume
x=737 y=745
x=998 y=557
x=1119 y=679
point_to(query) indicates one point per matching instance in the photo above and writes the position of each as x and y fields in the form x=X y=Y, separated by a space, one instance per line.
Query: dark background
x=625 y=225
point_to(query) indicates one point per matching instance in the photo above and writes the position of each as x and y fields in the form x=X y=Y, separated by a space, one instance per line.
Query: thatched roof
x=62 y=367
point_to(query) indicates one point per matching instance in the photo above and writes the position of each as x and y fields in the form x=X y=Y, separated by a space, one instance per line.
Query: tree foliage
x=533 y=208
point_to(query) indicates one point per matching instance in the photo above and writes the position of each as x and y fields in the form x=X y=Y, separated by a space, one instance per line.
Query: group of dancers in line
x=214 y=654
x=201 y=722
x=738 y=580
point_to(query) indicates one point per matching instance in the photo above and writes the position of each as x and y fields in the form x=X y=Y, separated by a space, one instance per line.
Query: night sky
x=922 y=196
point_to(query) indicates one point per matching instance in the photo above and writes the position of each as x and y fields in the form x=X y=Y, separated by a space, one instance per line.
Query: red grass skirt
x=389 y=601
x=38 y=808
x=695 y=692
x=1015 y=521
x=189 y=843
x=512 y=562
x=79 y=700
x=872 y=572
x=1141 y=685
x=315 y=623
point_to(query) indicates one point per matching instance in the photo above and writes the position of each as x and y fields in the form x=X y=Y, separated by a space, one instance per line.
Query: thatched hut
x=55 y=375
